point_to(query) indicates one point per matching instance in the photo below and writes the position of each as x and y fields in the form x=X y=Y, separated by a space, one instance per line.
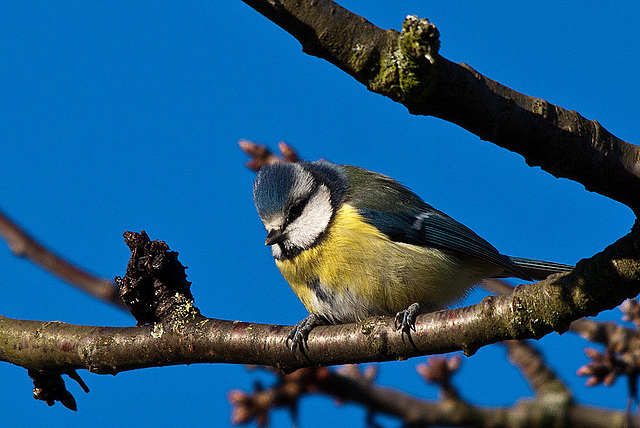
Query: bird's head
x=296 y=202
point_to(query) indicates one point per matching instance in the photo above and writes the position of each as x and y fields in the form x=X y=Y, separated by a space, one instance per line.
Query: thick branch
x=530 y=311
x=406 y=68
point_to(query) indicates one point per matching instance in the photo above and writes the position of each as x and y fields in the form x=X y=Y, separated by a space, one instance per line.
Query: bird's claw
x=299 y=334
x=406 y=319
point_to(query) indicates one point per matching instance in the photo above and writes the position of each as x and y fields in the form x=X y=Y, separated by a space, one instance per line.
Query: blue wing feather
x=431 y=228
x=404 y=217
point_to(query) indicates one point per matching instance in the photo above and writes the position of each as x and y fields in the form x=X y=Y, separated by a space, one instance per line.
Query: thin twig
x=541 y=378
x=23 y=245
x=261 y=155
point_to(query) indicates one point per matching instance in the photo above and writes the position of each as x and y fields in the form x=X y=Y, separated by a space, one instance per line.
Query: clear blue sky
x=123 y=116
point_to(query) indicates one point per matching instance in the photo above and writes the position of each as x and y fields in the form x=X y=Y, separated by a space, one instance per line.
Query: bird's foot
x=406 y=319
x=300 y=332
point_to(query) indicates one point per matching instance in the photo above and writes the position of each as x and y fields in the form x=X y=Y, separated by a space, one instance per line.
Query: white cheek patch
x=314 y=219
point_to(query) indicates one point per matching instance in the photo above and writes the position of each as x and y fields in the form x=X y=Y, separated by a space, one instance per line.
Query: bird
x=353 y=244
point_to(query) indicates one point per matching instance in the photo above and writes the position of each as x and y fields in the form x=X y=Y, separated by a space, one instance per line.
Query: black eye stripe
x=295 y=210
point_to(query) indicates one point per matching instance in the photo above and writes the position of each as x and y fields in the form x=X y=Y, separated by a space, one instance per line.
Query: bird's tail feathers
x=539 y=269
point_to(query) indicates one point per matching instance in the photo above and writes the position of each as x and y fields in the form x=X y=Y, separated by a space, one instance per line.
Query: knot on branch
x=418 y=44
x=155 y=287
x=49 y=387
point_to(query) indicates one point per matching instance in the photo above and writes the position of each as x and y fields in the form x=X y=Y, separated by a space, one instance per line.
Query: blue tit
x=353 y=244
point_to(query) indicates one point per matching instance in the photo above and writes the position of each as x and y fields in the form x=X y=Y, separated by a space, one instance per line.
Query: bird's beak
x=275 y=236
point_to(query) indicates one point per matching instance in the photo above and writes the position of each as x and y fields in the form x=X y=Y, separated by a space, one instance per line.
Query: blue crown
x=272 y=187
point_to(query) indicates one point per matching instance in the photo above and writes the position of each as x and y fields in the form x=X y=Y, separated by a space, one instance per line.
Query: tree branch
x=406 y=67
x=23 y=245
x=352 y=386
x=180 y=335
x=541 y=378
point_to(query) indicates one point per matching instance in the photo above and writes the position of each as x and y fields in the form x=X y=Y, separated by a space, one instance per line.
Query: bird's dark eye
x=295 y=212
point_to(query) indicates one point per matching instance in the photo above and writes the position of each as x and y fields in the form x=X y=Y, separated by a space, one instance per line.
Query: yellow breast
x=357 y=272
